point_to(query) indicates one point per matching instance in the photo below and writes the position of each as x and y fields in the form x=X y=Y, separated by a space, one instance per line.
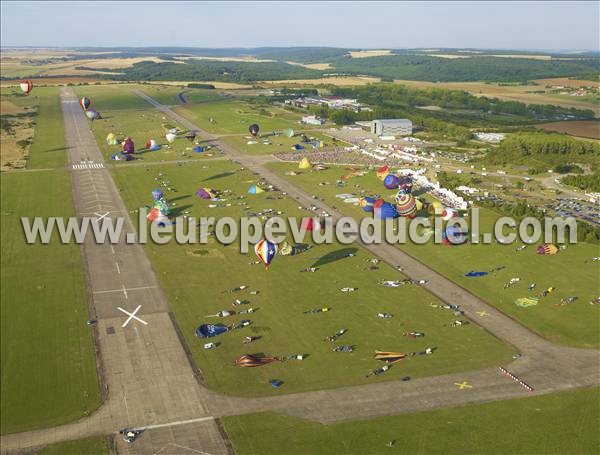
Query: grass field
x=566 y=422
x=48 y=368
x=234 y=117
x=571 y=271
x=126 y=114
x=197 y=278
x=89 y=446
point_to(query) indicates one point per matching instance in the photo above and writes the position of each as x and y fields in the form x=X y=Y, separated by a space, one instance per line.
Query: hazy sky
x=500 y=25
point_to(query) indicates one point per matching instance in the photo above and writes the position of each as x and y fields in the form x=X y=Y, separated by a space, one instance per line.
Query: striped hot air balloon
x=388 y=356
x=253 y=360
x=85 y=103
x=406 y=205
x=265 y=251
x=26 y=86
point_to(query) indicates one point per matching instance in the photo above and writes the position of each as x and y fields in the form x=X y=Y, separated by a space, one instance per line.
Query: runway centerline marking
x=132 y=316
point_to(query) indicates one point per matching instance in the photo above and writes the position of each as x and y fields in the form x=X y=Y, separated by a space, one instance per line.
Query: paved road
x=151 y=384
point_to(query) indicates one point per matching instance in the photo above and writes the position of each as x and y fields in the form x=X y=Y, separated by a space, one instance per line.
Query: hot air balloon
x=304 y=164
x=85 y=103
x=386 y=210
x=157 y=194
x=255 y=189
x=210 y=330
x=265 y=251
x=406 y=205
x=92 y=114
x=253 y=360
x=405 y=184
x=391 y=181
x=435 y=208
x=206 y=193
x=382 y=172
x=310 y=224
x=448 y=213
x=547 y=248
x=366 y=203
x=111 y=139
x=152 y=145
x=453 y=236
x=170 y=137
x=378 y=203
x=253 y=129
x=26 y=86
x=128 y=146
x=288 y=132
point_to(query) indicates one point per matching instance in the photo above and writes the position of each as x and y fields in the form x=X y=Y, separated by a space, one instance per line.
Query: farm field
x=580 y=128
x=197 y=279
x=571 y=272
x=520 y=426
x=521 y=93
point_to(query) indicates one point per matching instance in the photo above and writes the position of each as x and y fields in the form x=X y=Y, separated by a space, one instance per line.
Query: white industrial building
x=312 y=120
x=392 y=127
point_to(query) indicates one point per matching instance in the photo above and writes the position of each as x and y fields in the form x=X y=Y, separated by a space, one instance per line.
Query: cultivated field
x=341 y=81
x=580 y=128
x=370 y=53
x=570 y=272
x=521 y=93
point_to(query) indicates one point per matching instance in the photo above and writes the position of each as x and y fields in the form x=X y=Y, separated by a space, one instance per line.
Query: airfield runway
x=149 y=382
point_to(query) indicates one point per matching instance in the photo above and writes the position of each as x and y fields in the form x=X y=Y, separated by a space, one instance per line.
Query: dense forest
x=589 y=182
x=493 y=69
x=211 y=70
x=544 y=150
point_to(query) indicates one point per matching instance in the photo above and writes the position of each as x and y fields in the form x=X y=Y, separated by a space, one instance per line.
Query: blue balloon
x=157 y=194
x=210 y=330
x=386 y=210
x=391 y=181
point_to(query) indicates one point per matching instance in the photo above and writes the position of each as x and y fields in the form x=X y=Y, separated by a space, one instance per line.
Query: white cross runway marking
x=132 y=315
x=102 y=216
